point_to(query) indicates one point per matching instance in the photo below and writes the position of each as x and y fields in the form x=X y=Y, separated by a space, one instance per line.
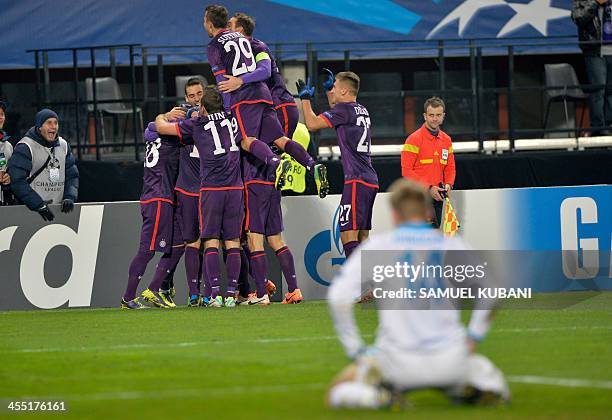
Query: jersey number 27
x=363 y=146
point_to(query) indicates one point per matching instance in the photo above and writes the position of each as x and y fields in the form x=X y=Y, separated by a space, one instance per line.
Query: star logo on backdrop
x=536 y=13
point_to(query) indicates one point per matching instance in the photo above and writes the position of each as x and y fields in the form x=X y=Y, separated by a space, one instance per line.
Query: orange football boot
x=293 y=297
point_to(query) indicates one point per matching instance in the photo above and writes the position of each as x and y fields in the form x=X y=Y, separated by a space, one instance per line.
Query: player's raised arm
x=313 y=121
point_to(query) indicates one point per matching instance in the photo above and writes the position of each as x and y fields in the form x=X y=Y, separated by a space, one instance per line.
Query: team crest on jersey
x=162 y=243
x=444 y=154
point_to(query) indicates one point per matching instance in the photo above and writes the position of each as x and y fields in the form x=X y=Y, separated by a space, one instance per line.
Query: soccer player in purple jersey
x=187 y=197
x=230 y=55
x=352 y=123
x=284 y=104
x=221 y=188
x=157 y=209
x=263 y=201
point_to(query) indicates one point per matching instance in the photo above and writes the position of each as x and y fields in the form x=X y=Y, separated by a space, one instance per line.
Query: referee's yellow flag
x=296 y=179
x=450 y=222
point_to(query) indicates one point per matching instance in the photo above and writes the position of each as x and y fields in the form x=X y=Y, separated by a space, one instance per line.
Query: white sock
x=356 y=395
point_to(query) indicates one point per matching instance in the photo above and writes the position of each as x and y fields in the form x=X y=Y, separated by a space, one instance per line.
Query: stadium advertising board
x=81 y=260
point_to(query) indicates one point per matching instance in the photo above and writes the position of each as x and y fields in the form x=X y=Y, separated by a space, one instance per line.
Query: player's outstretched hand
x=328 y=84
x=67 y=205
x=305 y=90
x=231 y=84
x=45 y=212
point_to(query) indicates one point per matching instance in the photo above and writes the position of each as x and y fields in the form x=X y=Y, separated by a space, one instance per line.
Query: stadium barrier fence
x=82 y=258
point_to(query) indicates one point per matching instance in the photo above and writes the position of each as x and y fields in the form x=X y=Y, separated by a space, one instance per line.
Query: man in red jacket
x=427 y=156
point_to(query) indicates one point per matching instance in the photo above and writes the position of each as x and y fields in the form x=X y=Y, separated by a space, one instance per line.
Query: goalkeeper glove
x=305 y=90
x=328 y=84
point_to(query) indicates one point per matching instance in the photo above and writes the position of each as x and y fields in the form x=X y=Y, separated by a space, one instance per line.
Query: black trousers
x=437 y=220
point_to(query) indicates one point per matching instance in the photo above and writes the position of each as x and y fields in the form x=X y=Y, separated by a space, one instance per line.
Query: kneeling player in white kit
x=414 y=349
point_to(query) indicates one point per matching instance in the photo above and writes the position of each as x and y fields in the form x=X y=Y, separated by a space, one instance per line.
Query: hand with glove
x=67 y=205
x=328 y=84
x=305 y=89
x=45 y=212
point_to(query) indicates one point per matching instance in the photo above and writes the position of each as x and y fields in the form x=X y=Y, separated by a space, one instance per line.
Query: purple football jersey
x=160 y=166
x=352 y=123
x=231 y=53
x=276 y=82
x=219 y=155
x=189 y=170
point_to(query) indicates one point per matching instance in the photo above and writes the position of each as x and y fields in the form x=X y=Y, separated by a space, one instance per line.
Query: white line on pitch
x=194 y=392
x=264 y=341
x=565 y=382
x=190 y=392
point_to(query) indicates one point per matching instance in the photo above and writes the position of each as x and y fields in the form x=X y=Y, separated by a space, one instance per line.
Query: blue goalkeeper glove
x=305 y=89
x=328 y=84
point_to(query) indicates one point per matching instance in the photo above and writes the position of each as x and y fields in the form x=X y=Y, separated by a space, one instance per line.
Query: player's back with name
x=231 y=53
x=213 y=137
x=161 y=165
x=353 y=126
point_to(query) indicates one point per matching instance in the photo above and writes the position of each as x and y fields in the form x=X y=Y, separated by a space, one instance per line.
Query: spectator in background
x=428 y=156
x=6 y=151
x=594 y=21
x=42 y=168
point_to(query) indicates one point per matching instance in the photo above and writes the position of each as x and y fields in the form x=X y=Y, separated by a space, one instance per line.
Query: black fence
x=148 y=67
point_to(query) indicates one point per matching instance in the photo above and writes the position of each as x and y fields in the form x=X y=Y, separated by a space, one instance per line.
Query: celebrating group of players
x=213 y=176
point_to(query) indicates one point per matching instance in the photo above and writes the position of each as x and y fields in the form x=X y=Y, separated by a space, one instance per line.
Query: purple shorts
x=288 y=116
x=258 y=120
x=356 y=205
x=263 y=208
x=187 y=214
x=157 y=231
x=221 y=213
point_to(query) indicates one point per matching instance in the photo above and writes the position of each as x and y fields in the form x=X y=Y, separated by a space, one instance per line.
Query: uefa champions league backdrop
x=70 y=23
x=82 y=259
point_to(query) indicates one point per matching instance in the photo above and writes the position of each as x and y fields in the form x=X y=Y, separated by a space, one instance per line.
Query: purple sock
x=201 y=269
x=297 y=152
x=285 y=259
x=243 y=281
x=165 y=266
x=207 y=287
x=169 y=280
x=262 y=151
x=233 y=270
x=192 y=269
x=349 y=247
x=213 y=271
x=259 y=265
x=247 y=253
x=137 y=268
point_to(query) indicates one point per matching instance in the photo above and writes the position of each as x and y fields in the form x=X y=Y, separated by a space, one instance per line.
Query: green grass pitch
x=276 y=362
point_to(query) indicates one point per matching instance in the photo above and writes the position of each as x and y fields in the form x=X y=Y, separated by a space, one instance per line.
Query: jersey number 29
x=243 y=47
